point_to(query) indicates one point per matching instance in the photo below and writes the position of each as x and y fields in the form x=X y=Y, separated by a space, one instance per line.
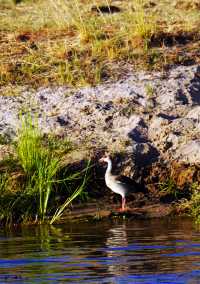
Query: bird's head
x=105 y=159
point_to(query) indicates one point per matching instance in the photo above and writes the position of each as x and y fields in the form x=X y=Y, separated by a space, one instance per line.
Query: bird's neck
x=109 y=168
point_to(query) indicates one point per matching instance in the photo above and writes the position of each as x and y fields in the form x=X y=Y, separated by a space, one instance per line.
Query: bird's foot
x=122 y=209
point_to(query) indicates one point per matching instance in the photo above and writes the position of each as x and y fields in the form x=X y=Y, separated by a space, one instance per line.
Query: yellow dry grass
x=75 y=42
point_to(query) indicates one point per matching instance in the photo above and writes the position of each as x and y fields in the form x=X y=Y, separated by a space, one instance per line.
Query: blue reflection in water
x=106 y=252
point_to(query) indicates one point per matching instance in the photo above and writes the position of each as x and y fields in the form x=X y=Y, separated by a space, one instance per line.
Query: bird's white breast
x=115 y=186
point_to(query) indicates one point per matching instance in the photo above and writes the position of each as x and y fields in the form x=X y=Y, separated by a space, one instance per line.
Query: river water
x=115 y=251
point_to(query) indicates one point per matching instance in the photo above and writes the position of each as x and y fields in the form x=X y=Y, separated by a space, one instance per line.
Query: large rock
x=189 y=153
x=156 y=114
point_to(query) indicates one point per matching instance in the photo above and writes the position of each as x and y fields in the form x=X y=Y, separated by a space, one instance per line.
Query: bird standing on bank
x=119 y=184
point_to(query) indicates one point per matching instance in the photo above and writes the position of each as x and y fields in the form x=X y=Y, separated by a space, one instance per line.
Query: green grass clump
x=39 y=163
x=168 y=187
x=29 y=147
x=38 y=184
x=194 y=203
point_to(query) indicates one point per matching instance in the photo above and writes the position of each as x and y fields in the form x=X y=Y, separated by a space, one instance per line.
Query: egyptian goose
x=119 y=184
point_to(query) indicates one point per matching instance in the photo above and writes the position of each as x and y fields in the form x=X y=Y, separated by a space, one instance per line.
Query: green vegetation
x=193 y=205
x=34 y=181
x=169 y=187
x=187 y=201
x=76 y=42
x=149 y=90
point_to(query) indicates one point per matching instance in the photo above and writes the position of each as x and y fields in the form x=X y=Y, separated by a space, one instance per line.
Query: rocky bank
x=153 y=118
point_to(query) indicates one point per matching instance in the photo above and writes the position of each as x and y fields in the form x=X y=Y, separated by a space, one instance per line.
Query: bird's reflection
x=117 y=236
x=116 y=244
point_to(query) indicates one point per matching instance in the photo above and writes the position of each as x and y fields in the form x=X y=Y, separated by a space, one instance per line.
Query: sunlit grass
x=65 y=42
x=58 y=213
x=34 y=186
x=40 y=163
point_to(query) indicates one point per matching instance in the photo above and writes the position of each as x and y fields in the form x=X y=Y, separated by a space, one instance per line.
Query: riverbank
x=80 y=79
x=101 y=211
x=149 y=122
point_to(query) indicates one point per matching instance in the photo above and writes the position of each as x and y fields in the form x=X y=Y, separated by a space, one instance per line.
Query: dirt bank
x=150 y=122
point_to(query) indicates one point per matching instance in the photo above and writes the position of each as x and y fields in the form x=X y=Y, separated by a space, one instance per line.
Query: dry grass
x=75 y=42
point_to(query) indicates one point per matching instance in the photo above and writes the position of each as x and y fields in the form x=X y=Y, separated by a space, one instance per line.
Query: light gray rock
x=194 y=113
x=155 y=113
x=189 y=152
x=156 y=128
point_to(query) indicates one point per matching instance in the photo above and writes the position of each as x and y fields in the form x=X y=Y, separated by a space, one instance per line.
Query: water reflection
x=116 y=245
x=153 y=251
x=153 y=247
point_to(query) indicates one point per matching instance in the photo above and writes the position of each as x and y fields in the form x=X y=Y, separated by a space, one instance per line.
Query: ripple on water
x=103 y=252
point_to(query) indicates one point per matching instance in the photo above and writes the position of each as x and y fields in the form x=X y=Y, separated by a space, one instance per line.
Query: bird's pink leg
x=123 y=203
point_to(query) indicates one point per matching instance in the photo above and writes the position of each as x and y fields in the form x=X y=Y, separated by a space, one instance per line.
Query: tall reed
x=41 y=163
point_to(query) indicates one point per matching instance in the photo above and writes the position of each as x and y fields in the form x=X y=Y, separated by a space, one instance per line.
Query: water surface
x=117 y=251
